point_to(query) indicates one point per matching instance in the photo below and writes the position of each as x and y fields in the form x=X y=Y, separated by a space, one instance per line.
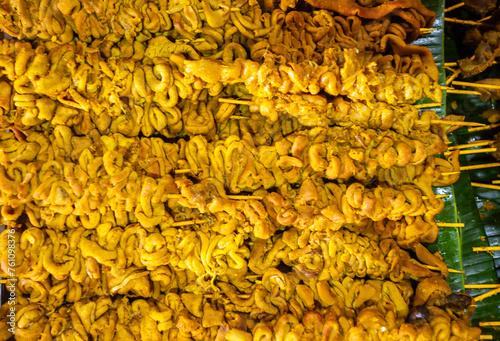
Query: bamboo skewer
x=450 y=224
x=419 y=106
x=430 y=267
x=234 y=197
x=486 y=295
x=466 y=22
x=489 y=324
x=451 y=64
x=491 y=126
x=495 y=182
x=477 y=184
x=466 y=168
x=470 y=145
x=235 y=101
x=457 y=123
x=485 y=18
x=482 y=286
x=477 y=85
x=486 y=165
x=449 y=173
x=427 y=105
x=453 y=76
x=188 y=222
x=485 y=337
x=486 y=249
x=463 y=92
x=473 y=151
x=451 y=8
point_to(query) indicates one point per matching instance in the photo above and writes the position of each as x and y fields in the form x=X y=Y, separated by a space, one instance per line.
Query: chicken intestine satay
x=54 y=267
x=349 y=309
x=80 y=179
x=73 y=85
x=204 y=26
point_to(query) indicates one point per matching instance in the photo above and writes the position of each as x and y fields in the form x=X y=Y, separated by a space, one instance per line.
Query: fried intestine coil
x=311 y=78
x=355 y=308
x=329 y=206
x=109 y=94
x=140 y=169
x=96 y=91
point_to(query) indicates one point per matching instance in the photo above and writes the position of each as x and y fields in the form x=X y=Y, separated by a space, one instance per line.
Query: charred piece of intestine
x=487 y=51
x=412 y=11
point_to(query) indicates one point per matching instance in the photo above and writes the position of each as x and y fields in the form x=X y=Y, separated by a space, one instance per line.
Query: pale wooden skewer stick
x=477 y=85
x=477 y=141
x=235 y=101
x=495 y=182
x=428 y=105
x=188 y=222
x=485 y=337
x=449 y=173
x=489 y=324
x=486 y=295
x=456 y=64
x=453 y=76
x=477 y=184
x=232 y=9
x=485 y=18
x=466 y=22
x=234 y=197
x=481 y=286
x=239 y=295
x=465 y=168
x=450 y=224
x=451 y=8
x=253 y=276
x=430 y=267
x=457 y=123
x=473 y=151
x=470 y=145
x=419 y=106
x=463 y=92
x=491 y=126
x=427 y=30
x=486 y=249
x=485 y=165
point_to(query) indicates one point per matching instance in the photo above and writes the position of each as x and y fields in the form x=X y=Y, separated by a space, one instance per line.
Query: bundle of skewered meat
x=69 y=187
x=487 y=50
x=40 y=92
x=53 y=267
x=352 y=309
x=200 y=23
x=234 y=222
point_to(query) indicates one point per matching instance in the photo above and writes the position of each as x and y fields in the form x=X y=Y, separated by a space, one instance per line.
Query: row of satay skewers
x=89 y=194
x=486 y=54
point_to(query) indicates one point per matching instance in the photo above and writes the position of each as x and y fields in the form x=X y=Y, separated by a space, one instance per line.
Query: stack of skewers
x=226 y=171
x=472 y=70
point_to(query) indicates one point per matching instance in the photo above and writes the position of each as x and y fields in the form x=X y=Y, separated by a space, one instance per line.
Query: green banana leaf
x=482 y=227
x=448 y=243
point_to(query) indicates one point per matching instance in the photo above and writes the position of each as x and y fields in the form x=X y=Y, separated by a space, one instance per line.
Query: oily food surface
x=145 y=205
